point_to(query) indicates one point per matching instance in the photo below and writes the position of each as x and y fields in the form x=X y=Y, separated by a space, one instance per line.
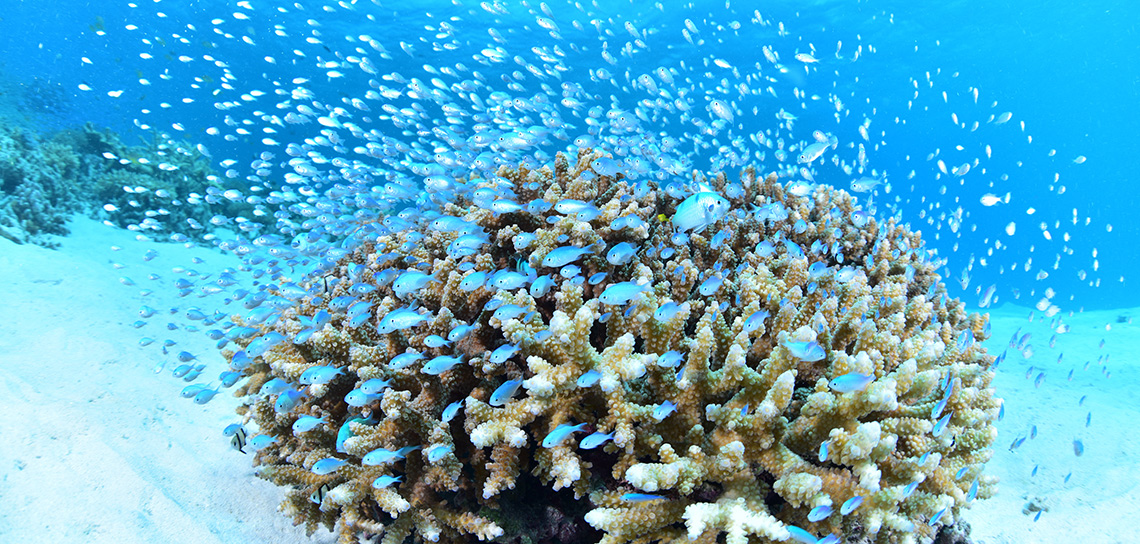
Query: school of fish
x=524 y=238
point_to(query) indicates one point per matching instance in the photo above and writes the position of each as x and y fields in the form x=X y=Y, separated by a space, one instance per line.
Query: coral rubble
x=779 y=362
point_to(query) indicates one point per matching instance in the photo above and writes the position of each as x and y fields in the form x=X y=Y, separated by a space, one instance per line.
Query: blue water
x=1062 y=68
x=1066 y=70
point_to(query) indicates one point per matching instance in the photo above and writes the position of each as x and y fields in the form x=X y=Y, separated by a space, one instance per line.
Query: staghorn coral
x=715 y=321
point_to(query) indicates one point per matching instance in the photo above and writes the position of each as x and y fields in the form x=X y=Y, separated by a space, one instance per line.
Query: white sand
x=98 y=448
x=1101 y=500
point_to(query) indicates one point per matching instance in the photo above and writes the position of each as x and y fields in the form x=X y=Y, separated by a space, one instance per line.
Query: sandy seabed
x=97 y=447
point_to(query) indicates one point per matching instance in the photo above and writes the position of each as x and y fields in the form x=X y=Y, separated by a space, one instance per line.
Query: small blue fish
x=800 y=535
x=667 y=311
x=436 y=341
x=909 y=489
x=571 y=272
x=699 y=211
x=940 y=426
x=755 y=320
x=973 y=492
x=1033 y=472
x=509 y=281
x=450 y=411
x=182 y=370
x=961 y=472
x=229 y=378
x=287 y=400
x=621 y=293
x=504 y=392
x=850 y=505
x=404 y=360
x=594 y=440
x=437 y=452
x=508 y=311
x=1037 y=516
x=327 y=465
x=563 y=256
x=194 y=373
x=806 y=351
x=240 y=361
x=502 y=353
x=273 y=387
x=473 y=281
x=819 y=513
x=541 y=286
x=306 y=424
x=385 y=481
x=719 y=238
x=345 y=432
x=641 y=497
x=232 y=429
x=321 y=374
x=441 y=364
x=663 y=410
x=710 y=286
x=823 y=452
x=261 y=441
x=851 y=382
x=669 y=359
x=411 y=282
x=359 y=398
x=206 y=395
x=560 y=433
x=374 y=386
x=190 y=391
x=358 y=320
x=937 y=516
x=937 y=410
x=1078 y=448
x=621 y=254
x=589 y=378
x=460 y=331
x=400 y=319
x=380 y=456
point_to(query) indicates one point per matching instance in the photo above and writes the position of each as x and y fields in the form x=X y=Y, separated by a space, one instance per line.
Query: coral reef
x=744 y=358
x=160 y=183
x=44 y=180
x=38 y=191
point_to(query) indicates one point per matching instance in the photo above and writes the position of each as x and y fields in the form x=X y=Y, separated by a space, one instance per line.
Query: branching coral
x=719 y=366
